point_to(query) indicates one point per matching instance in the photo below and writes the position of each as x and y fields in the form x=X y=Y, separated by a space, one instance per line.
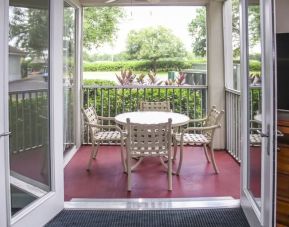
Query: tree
x=100 y=25
x=198 y=30
x=153 y=43
x=253 y=26
x=29 y=30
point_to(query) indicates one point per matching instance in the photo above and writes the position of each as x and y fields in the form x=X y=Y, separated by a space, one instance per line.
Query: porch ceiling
x=145 y=2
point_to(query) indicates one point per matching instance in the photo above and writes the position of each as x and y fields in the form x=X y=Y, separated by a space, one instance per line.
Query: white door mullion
x=4 y=164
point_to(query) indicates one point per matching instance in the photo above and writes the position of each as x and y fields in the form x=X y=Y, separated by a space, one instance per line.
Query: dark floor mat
x=151 y=218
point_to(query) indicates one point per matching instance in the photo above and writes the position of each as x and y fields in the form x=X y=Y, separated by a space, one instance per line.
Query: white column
x=228 y=47
x=216 y=77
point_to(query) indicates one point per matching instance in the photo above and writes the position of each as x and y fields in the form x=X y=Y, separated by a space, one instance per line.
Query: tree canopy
x=153 y=43
x=197 y=29
x=100 y=25
x=29 y=29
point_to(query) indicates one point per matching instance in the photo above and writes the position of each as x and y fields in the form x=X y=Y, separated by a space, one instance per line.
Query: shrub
x=98 y=82
x=254 y=65
x=143 y=66
x=109 y=102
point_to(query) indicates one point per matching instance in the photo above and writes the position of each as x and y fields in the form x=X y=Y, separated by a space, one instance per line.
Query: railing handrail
x=28 y=91
x=236 y=92
x=259 y=86
x=146 y=86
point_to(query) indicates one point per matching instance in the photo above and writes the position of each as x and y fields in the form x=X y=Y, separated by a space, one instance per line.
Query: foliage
x=183 y=100
x=153 y=78
x=236 y=28
x=98 y=82
x=197 y=28
x=154 y=43
x=126 y=77
x=28 y=121
x=254 y=65
x=198 y=31
x=162 y=65
x=69 y=41
x=29 y=30
x=89 y=57
x=35 y=67
x=253 y=26
x=178 y=81
x=100 y=25
x=24 y=69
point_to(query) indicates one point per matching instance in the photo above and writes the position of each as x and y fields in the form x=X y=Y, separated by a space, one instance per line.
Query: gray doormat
x=231 y=217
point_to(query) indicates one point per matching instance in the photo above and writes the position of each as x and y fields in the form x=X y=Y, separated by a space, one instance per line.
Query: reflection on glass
x=255 y=100
x=69 y=75
x=29 y=102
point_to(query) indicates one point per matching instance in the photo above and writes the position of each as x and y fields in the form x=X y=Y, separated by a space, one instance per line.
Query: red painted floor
x=107 y=180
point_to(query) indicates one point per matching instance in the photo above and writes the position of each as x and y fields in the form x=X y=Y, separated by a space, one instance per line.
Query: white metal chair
x=203 y=135
x=255 y=133
x=148 y=140
x=102 y=133
x=155 y=106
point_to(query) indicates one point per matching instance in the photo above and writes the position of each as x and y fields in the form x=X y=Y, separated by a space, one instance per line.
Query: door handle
x=264 y=134
x=5 y=134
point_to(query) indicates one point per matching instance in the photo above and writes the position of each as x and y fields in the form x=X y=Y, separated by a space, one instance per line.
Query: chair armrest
x=117 y=128
x=197 y=120
x=106 y=118
x=201 y=128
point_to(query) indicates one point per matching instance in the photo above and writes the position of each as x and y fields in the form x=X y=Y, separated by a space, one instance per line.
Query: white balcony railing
x=112 y=100
x=233 y=117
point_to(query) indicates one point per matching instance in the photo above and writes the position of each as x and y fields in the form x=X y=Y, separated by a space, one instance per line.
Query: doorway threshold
x=152 y=203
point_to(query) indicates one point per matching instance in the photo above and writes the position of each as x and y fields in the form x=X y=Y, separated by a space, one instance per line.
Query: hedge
x=254 y=65
x=89 y=82
x=162 y=65
x=28 y=121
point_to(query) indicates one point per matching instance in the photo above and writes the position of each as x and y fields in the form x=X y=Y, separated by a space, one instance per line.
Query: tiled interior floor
x=107 y=180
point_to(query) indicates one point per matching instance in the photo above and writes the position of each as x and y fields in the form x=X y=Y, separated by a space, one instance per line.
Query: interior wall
x=282 y=16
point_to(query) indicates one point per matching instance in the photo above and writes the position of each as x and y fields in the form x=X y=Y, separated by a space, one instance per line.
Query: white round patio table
x=152 y=117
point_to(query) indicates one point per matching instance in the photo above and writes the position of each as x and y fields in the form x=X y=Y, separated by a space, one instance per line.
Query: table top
x=152 y=117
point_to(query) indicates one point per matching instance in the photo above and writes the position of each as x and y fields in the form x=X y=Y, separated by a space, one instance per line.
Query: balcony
x=28 y=111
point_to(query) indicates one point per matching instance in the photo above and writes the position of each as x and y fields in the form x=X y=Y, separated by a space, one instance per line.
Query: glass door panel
x=29 y=145
x=69 y=71
x=254 y=101
x=258 y=103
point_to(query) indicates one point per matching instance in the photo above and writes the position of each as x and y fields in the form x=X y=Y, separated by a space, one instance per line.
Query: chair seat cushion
x=193 y=139
x=108 y=136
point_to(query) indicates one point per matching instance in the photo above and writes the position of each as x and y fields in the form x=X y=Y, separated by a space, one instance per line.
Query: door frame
x=43 y=209
x=266 y=215
x=78 y=79
x=4 y=164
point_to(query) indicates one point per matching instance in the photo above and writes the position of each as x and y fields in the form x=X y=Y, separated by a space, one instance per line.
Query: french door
x=31 y=107
x=258 y=98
